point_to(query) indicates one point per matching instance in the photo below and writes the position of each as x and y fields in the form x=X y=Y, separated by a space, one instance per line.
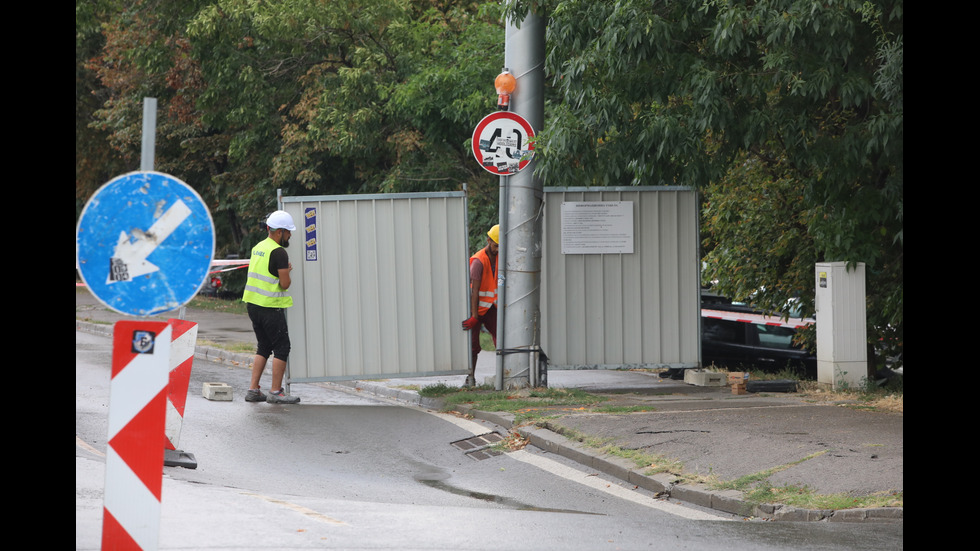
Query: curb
x=100 y=329
x=200 y=352
x=661 y=485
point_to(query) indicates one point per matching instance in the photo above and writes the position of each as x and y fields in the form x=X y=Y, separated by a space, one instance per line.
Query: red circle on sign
x=502 y=143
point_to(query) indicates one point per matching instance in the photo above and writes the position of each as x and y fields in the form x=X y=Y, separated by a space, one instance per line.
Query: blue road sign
x=144 y=243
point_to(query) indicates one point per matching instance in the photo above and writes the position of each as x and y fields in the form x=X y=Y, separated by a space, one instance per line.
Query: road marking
x=475 y=428
x=310 y=513
x=568 y=473
x=596 y=483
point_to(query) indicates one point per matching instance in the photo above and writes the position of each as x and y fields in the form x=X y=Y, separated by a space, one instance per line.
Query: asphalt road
x=346 y=471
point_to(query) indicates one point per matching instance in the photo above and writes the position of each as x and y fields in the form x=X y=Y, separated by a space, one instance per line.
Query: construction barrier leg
x=184 y=340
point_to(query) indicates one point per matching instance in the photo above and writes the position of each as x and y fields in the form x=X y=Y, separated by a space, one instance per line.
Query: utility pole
x=521 y=202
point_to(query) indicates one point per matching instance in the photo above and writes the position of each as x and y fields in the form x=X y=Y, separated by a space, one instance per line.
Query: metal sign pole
x=149 y=134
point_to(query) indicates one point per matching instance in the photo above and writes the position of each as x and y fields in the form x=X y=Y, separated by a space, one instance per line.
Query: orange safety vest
x=488 y=284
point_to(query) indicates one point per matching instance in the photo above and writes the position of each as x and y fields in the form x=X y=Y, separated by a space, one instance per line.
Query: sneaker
x=254 y=395
x=279 y=397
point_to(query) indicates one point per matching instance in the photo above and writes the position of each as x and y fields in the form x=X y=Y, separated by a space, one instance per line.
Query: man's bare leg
x=258 y=367
x=278 y=373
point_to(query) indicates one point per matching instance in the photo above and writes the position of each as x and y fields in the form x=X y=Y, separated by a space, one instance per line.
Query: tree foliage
x=303 y=96
x=786 y=114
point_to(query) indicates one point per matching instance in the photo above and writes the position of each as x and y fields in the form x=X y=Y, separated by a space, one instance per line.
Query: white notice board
x=597 y=227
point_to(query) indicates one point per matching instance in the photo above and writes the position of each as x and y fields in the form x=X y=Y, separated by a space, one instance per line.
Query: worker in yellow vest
x=483 y=296
x=266 y=299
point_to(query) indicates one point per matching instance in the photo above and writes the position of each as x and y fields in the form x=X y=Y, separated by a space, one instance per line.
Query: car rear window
x=723 y=331
x=771 y=336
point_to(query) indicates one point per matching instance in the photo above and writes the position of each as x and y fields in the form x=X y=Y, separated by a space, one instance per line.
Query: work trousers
x=488 y=320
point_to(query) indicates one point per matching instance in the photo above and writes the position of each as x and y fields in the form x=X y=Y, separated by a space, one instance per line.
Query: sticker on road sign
x=503 y=143
x=143 y=342
x=144 y=243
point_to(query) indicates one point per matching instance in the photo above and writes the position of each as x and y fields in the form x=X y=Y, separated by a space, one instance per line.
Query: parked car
x=739 y=338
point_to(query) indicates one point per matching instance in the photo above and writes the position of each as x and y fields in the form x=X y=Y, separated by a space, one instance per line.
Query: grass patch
x=804 y=498
x=238 y=347
x=883 y=399
x=486 y=342
x=870 y=396
x=526 y=404
x=622 y=409
x=651 y=463
x=211 y=304
x=214 y=304
x=756 y=487
x=744 y=483
x=438 y=390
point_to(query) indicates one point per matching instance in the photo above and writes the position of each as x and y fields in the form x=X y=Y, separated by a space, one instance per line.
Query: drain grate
x=478 y=447
x=485 y=453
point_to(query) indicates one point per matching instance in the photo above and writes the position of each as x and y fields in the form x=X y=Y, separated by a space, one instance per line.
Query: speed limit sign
x=503 y=143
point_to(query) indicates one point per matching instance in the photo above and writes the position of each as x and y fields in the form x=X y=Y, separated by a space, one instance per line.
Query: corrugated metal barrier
x=620 y=283
x=380 y=286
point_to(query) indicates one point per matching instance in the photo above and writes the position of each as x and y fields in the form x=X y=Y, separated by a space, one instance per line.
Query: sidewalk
x=827 y=448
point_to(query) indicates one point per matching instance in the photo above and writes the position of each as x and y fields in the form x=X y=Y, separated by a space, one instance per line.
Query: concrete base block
x=704 y=378
x=219 y=392
x=179 y=458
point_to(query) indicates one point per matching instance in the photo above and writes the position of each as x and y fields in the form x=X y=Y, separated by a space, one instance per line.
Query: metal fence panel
x=380 y=286
x=617 y=310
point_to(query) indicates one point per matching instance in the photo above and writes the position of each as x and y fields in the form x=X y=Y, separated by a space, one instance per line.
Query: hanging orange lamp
x=505 y=83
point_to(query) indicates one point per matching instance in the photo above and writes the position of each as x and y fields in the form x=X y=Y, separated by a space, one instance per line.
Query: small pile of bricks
x=738 y=379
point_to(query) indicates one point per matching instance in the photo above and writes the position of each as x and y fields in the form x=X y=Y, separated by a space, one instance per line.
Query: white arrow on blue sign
x=144 y=243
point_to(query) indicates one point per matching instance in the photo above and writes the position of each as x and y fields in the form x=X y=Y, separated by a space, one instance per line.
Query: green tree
x=305 y=96
x=95 y=163
x=787 y=114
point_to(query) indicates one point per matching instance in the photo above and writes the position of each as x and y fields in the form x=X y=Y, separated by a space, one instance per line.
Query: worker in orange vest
x=483 y=296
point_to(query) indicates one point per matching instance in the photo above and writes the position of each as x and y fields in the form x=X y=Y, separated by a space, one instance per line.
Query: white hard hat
x=280 y=219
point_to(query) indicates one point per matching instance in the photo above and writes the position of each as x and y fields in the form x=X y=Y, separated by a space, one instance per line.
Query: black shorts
x=270 y=329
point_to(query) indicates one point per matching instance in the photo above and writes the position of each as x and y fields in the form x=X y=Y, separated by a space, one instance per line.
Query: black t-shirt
x=278 y=260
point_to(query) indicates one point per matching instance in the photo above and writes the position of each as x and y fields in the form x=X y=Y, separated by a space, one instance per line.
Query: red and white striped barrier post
x=134 y=457
x=184 y=339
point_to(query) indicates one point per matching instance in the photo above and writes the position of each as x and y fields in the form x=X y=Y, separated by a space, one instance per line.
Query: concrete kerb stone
x=794 y=514
x=883 y=514
x=661 y=485
x=94 y=328
x=727 y=501
x=223 y=356
x=201 y=352
x=400 y=395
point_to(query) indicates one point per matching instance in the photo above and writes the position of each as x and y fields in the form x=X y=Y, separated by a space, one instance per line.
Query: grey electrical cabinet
x=842 y=334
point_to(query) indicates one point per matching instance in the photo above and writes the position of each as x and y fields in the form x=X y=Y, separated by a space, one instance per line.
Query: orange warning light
x=505 y=83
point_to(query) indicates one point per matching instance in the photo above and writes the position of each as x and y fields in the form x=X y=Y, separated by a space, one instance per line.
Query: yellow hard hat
x=494 y=234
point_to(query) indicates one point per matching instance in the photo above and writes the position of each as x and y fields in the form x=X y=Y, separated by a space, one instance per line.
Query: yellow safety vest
x=261 y=287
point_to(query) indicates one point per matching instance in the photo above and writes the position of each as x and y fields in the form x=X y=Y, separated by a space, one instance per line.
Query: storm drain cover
x=485 y=453
x=478 y=447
